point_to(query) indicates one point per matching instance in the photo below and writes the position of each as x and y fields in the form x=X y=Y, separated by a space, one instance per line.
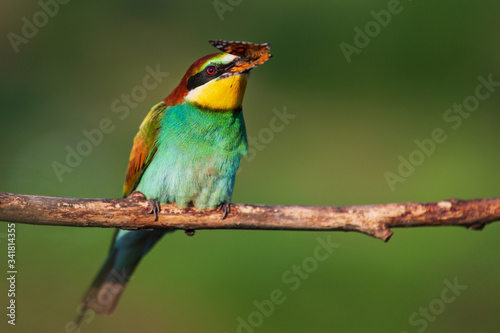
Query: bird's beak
x=235 y=67
x=249 y=55
x=246 y=62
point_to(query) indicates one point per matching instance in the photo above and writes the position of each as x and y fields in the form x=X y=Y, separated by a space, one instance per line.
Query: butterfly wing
x=251 y=55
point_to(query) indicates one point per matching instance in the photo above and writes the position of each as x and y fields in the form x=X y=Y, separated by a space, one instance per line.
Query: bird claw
x=226 y=209
x=154 y=206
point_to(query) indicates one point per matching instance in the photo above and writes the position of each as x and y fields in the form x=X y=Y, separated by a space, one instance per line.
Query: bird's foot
x=225 y=207
x=154 y=206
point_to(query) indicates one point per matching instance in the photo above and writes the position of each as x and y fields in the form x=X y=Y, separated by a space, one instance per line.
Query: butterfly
x=251 y=55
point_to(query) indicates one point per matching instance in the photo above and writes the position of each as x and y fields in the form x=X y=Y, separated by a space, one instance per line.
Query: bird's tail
x=126 y=252
x=106 y=290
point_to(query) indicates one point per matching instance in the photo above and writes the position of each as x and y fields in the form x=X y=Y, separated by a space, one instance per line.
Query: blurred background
x=357 y=114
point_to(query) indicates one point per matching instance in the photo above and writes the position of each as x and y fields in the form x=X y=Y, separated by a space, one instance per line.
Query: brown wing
x=144 y=147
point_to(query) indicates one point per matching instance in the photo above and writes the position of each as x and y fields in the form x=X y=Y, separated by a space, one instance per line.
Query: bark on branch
x=131 y=213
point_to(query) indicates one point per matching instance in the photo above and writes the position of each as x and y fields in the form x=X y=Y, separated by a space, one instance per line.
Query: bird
x=187 y=151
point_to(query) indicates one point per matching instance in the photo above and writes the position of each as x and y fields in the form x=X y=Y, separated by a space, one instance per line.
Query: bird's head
x=211 y=84
x=218 y=81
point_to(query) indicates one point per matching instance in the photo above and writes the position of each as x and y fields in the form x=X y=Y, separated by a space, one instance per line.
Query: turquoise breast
x=198 y=154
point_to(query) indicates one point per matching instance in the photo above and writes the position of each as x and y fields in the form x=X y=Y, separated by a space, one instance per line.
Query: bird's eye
x=210 y=70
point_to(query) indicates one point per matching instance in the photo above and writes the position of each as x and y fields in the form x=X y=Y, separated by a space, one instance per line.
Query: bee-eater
x=187 y=151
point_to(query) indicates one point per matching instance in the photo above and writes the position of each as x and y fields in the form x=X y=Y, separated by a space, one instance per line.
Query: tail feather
x=128 y=248
x=106 y=290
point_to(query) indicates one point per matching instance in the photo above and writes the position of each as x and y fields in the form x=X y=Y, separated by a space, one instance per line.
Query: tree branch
x=131 y=213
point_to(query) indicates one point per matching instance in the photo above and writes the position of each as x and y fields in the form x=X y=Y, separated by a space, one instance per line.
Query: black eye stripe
x=203 y=77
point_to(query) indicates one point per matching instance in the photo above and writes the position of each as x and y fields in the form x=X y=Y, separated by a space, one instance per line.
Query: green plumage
x=197 y=155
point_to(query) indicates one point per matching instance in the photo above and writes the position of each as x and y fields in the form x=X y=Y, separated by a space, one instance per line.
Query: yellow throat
x=220 y=94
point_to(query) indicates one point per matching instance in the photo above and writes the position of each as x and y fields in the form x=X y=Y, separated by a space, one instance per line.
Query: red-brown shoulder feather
x=144 y=147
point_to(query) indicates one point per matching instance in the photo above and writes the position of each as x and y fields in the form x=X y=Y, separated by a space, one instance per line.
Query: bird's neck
x=209 y=131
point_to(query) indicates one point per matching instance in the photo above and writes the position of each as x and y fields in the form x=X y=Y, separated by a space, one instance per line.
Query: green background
x=352 y=122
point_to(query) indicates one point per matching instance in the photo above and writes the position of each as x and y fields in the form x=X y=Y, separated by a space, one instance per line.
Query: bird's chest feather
x=198 y=154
